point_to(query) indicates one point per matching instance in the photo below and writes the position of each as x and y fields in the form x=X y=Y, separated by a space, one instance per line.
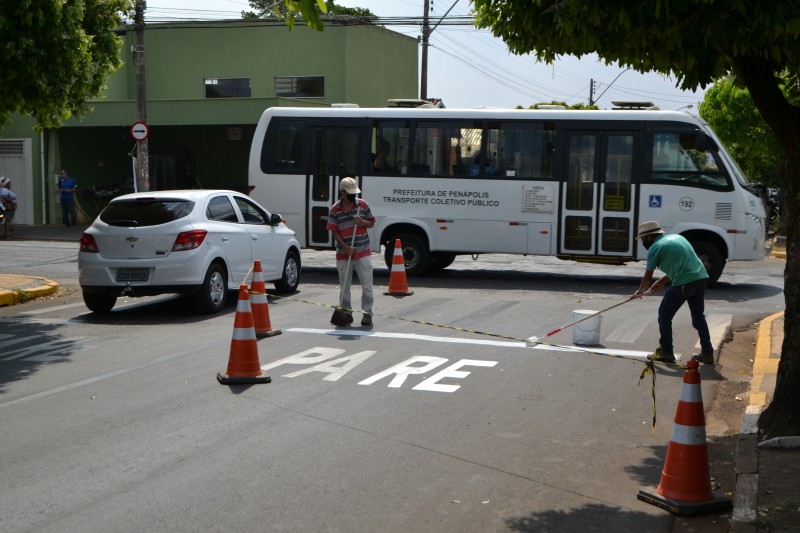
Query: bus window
x=348 y=154
x=522 y=151
x=282 y=147
x=580 y=180
x=321 y=165
x=446 y=149
x=677 y=160
x=389 y=150
x=619 y=165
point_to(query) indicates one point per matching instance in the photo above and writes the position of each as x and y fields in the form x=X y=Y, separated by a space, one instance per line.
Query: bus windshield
x=737 y=172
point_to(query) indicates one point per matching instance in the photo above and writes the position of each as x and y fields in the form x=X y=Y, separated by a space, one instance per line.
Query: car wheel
x=99 y=303
x=291 y=274
x=213 y=295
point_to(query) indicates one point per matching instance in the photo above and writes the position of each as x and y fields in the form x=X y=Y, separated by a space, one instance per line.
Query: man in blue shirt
x=674 y=256
x=67 y=186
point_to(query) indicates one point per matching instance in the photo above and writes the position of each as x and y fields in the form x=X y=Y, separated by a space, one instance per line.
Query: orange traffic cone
x=259 y=304
x=685 y=487
x=398 y=285
x=243 y=364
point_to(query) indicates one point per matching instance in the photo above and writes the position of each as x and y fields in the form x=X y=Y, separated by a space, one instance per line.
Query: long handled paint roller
x=532 y=341
x=339 y=317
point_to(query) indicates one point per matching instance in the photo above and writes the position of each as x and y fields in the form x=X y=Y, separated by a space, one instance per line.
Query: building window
x=227 y=87
x=300 y=86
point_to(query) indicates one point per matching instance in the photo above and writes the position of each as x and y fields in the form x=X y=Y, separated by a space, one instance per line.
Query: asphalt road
x=118 y=423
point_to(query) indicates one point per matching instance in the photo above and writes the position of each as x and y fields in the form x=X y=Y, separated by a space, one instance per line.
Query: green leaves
x=56 y=55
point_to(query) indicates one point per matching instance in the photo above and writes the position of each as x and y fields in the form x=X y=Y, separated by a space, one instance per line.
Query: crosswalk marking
x=717 y=326
x=462 y=340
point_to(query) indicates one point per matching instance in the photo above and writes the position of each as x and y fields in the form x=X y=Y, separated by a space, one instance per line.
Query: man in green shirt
x=674 y=256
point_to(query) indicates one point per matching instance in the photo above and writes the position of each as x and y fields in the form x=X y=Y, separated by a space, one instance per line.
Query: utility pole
x=591 y=92
x=142 y=153
x=423 y=78
x=426 y=35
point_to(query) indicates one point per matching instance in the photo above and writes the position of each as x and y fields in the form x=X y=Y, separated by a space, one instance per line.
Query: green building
x=207 y=84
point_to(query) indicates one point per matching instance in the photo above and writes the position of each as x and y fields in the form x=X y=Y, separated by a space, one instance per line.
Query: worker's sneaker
x=664 y=357
x=366 y=320
x=704 y=357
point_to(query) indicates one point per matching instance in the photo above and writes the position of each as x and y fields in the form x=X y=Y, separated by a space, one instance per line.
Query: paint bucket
x=586 y=333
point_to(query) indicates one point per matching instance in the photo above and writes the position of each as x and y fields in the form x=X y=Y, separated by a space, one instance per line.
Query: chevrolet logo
x=132 y=239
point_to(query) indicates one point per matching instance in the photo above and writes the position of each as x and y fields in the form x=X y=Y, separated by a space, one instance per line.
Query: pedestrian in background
x=674 y=256
x=9 y=200
x=67 y=187
x=348 y=221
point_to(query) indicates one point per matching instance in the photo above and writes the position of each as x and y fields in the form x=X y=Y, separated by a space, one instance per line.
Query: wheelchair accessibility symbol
x=655 y=200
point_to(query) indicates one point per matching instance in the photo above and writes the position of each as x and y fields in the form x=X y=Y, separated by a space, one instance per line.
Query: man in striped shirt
x=348 y=221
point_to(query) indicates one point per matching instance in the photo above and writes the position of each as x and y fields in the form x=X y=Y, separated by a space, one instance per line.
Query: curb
x=745 y=505
x=17 y=295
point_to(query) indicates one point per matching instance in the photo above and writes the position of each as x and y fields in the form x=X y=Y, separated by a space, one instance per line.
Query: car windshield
x=145 y=212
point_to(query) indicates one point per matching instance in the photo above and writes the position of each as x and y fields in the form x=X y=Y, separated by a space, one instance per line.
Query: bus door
x=598 y=194
x=334 y=155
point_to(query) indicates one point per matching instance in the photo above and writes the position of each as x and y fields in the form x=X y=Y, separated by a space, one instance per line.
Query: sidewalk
x=767 y=495
x=15 y=288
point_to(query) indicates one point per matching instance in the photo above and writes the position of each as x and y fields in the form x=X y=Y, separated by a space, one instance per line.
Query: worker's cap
x=649 y=228
x=349 y=186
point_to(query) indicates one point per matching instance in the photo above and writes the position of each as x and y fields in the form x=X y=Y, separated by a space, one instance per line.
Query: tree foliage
x=311 y=11
x=697 y=42
x=56 y=55
x=730 y=110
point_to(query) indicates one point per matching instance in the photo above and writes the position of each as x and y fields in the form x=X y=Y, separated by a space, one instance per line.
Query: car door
x=265 y=244
x=230 y=236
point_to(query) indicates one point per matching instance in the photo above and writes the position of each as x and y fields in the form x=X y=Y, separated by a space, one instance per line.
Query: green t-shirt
x=674 y=256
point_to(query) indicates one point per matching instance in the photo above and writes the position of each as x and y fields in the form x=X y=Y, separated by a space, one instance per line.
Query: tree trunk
x=782 y=417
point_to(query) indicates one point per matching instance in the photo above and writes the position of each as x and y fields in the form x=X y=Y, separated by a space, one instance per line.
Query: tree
x=697 y=42
x=56 y=55
x=311 y=11
x=730 y=110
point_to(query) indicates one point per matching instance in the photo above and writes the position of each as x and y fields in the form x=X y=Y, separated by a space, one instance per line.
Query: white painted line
x=95 y=379
x=629 y=330
x=51 y=309
x=461 y=340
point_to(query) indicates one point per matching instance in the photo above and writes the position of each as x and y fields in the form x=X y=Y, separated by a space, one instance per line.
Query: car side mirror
x=275 y=219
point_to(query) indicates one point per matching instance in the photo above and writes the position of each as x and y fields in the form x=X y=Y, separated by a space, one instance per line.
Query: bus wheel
x=416 y=256
x=712 y=259
x=441 y=260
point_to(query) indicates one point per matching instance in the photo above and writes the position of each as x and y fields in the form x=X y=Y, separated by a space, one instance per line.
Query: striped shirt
x=342 y=222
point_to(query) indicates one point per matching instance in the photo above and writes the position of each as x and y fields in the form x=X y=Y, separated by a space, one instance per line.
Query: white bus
x=572 y=184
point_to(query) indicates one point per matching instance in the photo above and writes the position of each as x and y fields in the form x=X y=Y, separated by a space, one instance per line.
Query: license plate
x=133 y=274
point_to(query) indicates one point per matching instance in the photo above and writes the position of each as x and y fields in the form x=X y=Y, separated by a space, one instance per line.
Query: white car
x=201 y=242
